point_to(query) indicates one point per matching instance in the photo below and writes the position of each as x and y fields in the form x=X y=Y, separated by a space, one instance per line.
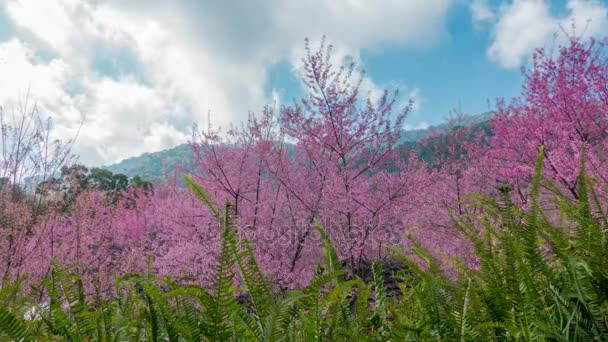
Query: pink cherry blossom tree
x=564 y=106
x=28 y=154
x=332 y=156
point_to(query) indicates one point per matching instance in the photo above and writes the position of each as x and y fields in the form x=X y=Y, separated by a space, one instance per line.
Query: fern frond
x=203 y=195
x=13 y=326
x=332 y=261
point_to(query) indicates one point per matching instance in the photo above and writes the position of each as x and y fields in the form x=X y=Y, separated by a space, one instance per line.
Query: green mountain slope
x=154 y=165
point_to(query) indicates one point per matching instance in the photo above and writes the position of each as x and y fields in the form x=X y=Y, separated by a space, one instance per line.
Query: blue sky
x=453 y=72
x=133 y=76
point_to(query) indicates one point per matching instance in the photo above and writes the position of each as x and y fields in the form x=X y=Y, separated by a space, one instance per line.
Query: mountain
x=154 y=165
x=413 y=135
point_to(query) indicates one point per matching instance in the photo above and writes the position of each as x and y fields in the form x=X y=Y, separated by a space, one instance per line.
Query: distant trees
x=75 y=179
x=139 y=182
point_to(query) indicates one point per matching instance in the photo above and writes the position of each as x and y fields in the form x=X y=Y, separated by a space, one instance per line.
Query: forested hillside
x=155 y=165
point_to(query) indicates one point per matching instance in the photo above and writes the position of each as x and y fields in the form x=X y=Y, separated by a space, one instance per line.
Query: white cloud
x=589 y=17
x=23 y=70
x=525 y=25
x=27 y=77
x=420 y=125
x=481 y=12
x=417 y=99
x=188 y=57
x=163 y=135
x=123 y=118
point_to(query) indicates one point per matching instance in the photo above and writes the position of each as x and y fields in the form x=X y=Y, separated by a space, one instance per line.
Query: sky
x=127 y=76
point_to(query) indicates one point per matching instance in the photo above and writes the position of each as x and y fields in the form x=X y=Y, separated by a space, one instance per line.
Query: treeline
x=76 y=178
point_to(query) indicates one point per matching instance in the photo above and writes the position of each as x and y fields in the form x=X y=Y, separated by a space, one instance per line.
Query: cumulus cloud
x=140 y=73
x=525 y=25
x=589 y=17
x=481 y=12
x=25 y=73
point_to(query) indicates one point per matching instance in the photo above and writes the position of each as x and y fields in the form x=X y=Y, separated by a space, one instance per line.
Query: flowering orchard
x=333 y=156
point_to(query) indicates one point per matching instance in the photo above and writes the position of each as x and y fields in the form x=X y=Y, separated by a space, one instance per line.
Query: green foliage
x=156 y=165
x=538 y=278
x=75 y=179
x=105 y=180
